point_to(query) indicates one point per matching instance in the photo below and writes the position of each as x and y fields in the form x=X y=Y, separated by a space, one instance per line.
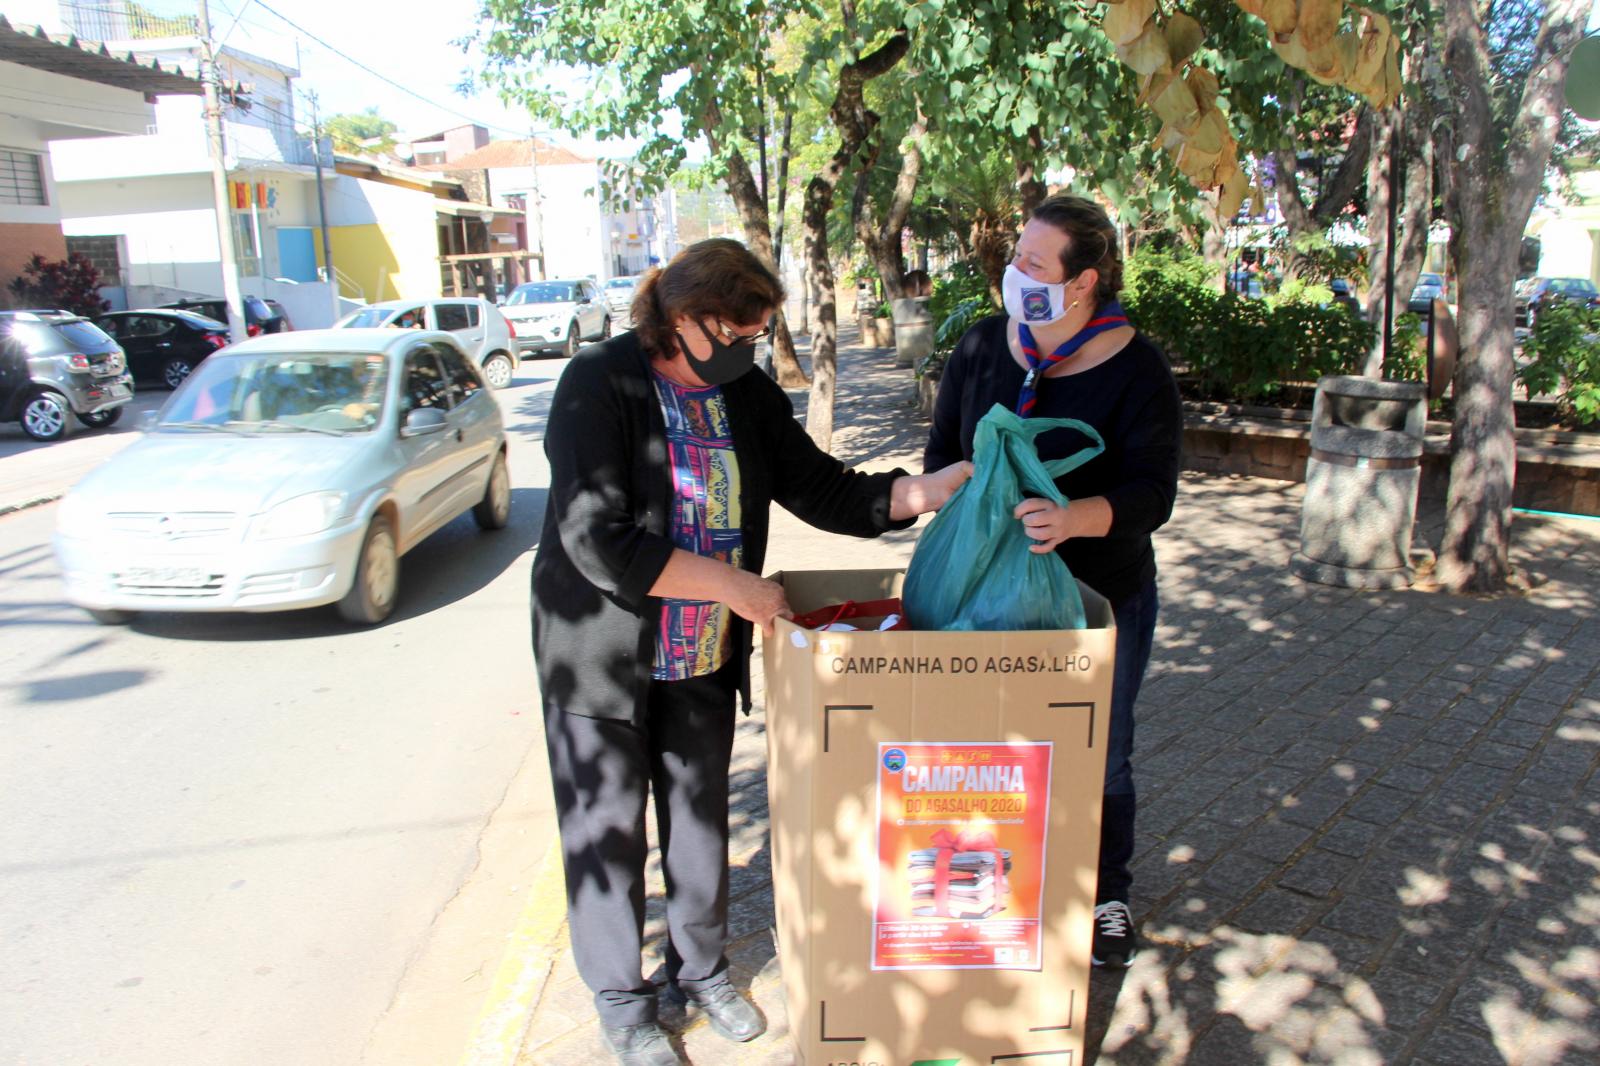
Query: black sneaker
x=645 y=1044
x=1115 y=942
x=730 y=1014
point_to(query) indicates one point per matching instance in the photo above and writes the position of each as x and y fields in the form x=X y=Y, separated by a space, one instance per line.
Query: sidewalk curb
x=524 y=971
x=32 y=501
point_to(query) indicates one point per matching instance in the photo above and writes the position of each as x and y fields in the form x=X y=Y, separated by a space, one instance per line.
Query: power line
x=381 y=77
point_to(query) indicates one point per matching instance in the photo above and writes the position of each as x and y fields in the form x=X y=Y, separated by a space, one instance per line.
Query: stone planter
x=927 y=392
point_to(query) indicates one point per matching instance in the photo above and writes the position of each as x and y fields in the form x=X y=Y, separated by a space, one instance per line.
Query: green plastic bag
x=972 y=569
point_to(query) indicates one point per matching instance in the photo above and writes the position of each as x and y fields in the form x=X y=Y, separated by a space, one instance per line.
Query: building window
x=104 y=252
x=21 y=178
x=245 y=252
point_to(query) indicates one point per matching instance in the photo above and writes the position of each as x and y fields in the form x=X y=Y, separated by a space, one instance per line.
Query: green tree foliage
x=1563 y=353
x=361 y=132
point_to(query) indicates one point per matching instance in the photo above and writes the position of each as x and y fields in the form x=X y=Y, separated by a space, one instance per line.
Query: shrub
x=1239 y=348
x=960 y=298
x=70 y=284
x=1563 y=360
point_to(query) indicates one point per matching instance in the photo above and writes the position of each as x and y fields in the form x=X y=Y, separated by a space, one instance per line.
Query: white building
x=57 y=89
x=560 y=192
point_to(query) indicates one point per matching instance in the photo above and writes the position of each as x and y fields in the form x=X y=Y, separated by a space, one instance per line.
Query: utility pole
x=322 y=202
x=219 y=179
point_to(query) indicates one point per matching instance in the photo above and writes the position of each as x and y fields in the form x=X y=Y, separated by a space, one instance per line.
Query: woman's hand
x=911 y=496
x=1045 y=521
x=756 y=599
x=1050 y=524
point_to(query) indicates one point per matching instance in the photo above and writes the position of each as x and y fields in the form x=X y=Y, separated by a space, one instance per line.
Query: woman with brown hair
x=1064 y=349
x=666 y=453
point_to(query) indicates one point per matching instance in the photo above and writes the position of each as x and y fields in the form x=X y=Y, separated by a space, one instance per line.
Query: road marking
x=524 y=968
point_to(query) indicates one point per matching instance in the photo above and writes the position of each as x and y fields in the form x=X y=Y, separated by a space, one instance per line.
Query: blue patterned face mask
x=1037 y=303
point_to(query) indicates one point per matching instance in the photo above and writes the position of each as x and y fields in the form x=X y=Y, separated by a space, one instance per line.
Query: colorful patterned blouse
x=693 y=637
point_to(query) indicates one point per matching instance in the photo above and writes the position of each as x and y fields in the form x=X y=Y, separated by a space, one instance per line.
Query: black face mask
x=726 y=362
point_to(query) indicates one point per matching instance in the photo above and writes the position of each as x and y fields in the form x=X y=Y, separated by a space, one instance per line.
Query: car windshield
x=315 y=392
x=1574 y=286
x=543 y=292
x=367 y=317
x=1432 y=280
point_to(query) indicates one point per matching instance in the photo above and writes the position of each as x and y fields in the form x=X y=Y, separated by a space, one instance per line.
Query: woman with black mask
x=666 y=452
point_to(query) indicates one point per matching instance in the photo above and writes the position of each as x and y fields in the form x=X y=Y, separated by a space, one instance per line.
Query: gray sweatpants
x=602 y=769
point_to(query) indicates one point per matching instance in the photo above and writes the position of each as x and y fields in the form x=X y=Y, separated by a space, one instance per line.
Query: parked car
x=1245 y=283
x=1538 y=292
x=557 y=315
x=476 y=323
x=1429 y=287
x=53 y=362
x=289 y=471
x=163 y=347
x=1345 y=296
x=260 y=316
x=619 y=299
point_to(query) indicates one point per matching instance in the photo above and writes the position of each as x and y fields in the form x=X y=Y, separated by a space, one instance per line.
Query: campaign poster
x=961 y=856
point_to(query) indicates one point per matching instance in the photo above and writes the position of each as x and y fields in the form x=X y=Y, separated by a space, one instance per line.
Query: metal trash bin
x=1361 y=483
x=913 y=331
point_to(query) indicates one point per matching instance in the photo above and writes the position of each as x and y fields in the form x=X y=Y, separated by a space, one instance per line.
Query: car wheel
x=175 y=370
x=44 y=416
x=497 y=370
x=494 y=510
x=101 y=419
x=372 y=593
x=605 y=327
x=107 y=617
x=570 y=348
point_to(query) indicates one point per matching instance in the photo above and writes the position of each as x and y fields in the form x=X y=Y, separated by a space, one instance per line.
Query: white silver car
x=557 y=315
x=619 y=297
x=291 y=470
x=476 y=323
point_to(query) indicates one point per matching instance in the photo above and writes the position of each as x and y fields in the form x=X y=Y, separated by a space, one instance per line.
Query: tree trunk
x=1495 y=197
x=1332 y=198
x=1382 y=158
x=752 y=206
x=855 y=124
x=1214 y=249
x=1030 y=188
x=881 y=236
x=1414 y=156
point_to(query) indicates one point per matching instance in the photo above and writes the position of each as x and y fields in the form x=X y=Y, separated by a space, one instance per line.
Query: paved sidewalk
x=1369 y=821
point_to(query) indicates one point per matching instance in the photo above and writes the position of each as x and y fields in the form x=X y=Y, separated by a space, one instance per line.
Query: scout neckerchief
x=1110 y=317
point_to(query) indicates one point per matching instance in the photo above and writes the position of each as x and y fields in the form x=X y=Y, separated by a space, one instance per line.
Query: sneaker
x=645 y=1044
x=730 y=1014
x=1115 y=942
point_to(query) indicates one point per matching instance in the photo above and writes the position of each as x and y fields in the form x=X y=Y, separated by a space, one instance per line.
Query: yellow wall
x=387 y=262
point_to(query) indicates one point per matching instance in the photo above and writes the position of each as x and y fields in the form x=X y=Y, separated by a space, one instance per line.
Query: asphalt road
x=229 y=838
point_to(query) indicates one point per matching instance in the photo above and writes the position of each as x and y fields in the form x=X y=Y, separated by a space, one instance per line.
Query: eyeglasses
x=730 y=336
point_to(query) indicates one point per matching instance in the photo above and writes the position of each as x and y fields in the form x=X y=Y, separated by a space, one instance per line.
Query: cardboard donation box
x=935 y=807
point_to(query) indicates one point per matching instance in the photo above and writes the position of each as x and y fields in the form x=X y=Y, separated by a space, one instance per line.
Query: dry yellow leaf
x=1184 y=36
x=1318 y=23
x=1176 y=104
x=1251 y=7
x=1280 y=16
x=1290 y=51
x=1204 y=85
x=1258 y=201
x=1231 y=196
x=1196 y=165
x=1325 y=64
x=1126 y=21
x=1210 y=133
x=1147 y=53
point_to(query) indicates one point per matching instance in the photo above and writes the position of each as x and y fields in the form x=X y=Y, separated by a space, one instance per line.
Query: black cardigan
x=605 y=539
x=1130 y=398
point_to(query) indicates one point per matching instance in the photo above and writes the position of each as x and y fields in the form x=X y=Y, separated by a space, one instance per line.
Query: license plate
x=186 y=577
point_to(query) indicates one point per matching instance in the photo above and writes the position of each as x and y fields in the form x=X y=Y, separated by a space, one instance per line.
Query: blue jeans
x=1136 y=627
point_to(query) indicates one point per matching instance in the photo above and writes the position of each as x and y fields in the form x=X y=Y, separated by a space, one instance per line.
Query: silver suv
x=53 y=362
x=475 y=322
